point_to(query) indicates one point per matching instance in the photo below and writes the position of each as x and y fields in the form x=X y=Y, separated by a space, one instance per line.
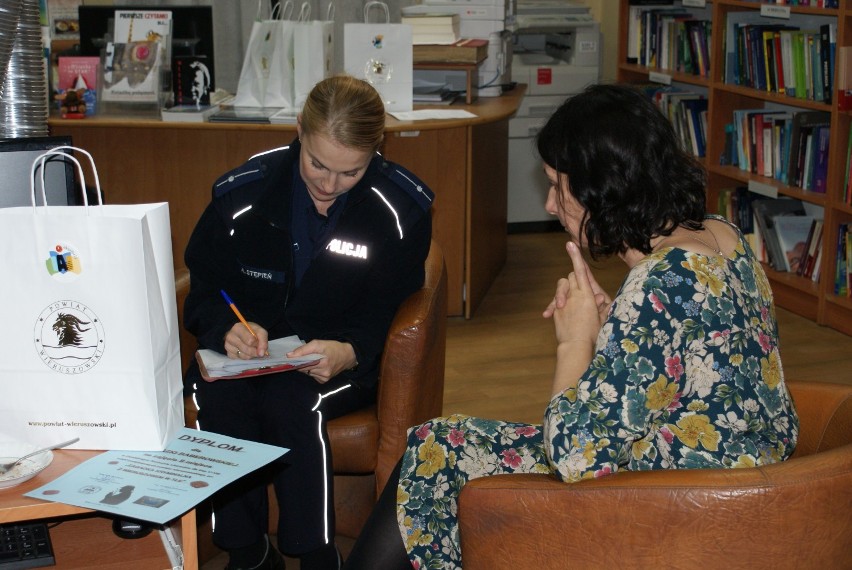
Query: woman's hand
x=578 y=309
x=581 y=272
x=337 y=357
x=241 y=343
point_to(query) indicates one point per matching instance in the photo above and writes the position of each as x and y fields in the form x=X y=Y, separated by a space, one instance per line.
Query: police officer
x=322 y=239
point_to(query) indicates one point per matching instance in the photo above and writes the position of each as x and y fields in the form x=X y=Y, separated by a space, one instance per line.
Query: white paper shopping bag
x=90 y=346
x=313 y=52
x=382 y=53
x=266 y=78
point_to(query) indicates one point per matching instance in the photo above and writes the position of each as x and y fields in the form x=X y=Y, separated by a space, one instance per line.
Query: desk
x=84 y=539
x=465 y=162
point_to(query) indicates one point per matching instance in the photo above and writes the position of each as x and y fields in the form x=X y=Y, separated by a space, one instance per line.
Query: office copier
x=556 y=52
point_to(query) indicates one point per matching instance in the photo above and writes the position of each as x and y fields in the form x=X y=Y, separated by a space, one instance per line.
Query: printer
x=556 y=52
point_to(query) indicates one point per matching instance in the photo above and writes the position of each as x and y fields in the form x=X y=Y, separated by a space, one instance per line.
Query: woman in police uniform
x=322 y=239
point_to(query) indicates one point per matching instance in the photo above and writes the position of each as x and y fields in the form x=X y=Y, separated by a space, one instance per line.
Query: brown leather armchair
x=794 y=514
x=367 y=444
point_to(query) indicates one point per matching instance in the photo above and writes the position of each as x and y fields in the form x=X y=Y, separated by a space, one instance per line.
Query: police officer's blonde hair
x=348 y=110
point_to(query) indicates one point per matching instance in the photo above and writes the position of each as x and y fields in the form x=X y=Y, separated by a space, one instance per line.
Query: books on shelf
x=77 y=84
x=791 y=147
x=810 y=266
x=471 y=51
x=669 y=38
x=736 y=205
x=806 y=126
x=795 y=59
x=793 y=233
x=843 y=262
x=687 y=111
x=767 y=212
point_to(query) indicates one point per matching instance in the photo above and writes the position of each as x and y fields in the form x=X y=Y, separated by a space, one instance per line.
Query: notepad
x=217 y=366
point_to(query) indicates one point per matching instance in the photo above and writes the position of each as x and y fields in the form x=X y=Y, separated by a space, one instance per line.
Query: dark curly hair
x=625 y=167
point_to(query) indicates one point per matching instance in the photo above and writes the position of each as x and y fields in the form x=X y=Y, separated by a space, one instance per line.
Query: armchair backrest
x=825 y=416
x=411 y=385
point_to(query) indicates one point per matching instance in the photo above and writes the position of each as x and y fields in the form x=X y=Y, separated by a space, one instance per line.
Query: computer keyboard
x=25 y=545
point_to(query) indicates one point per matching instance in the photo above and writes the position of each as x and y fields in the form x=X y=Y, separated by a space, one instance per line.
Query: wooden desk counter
x=464 y=161
x=84 y=539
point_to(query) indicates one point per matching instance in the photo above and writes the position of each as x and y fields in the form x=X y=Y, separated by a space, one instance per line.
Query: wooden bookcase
x=800 y=295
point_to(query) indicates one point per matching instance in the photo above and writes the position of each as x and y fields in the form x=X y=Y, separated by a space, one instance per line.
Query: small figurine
x=73 y=106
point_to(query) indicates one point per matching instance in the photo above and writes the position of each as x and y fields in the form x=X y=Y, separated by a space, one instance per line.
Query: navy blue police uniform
x=336 y=277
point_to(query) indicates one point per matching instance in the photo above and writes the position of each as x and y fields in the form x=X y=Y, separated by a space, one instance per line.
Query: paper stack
x=433 y=28
x=215 y=366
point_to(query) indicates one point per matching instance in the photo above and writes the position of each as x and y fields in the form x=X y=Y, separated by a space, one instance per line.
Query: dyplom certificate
x=158 y=486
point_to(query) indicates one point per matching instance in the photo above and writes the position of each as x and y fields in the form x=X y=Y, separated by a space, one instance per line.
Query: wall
x=606 y=13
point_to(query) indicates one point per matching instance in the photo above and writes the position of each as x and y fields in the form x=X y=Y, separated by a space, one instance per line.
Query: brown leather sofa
x=795 y=514
x=367 y=444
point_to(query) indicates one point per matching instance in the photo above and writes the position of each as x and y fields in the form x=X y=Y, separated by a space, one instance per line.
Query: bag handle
x=329 y=11
x=39 y=162
x=304 y=12
x=376 y=4
x=282 y=11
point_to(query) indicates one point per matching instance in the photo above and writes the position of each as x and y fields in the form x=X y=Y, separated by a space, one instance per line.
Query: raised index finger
x=581 y=268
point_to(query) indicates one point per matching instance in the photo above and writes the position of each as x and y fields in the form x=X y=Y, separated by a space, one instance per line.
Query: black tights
x=379 y=546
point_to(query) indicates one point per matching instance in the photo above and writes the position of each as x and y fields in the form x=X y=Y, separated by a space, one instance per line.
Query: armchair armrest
x=791 y=512
x=411 y=387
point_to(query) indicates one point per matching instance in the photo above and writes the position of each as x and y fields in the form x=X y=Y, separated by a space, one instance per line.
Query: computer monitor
x=16 y=164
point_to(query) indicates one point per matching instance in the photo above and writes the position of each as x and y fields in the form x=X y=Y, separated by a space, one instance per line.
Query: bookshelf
x=816 y=301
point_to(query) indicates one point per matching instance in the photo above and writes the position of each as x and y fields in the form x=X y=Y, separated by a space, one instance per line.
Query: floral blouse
x=686 y=375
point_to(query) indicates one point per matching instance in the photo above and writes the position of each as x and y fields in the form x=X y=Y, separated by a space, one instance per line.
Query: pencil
x=239 y=314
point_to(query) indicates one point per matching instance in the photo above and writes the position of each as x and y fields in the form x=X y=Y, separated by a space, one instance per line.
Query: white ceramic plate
x=26 y=469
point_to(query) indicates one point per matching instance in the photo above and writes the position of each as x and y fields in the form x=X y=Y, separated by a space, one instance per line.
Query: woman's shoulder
x=392 y=177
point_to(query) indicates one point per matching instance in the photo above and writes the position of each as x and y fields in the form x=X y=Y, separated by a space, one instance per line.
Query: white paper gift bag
x=313 y=52
x=90 y=342
x=266 y=78
x=382 y=53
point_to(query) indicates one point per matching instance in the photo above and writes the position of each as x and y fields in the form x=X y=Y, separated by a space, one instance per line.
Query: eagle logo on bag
x=69 y=337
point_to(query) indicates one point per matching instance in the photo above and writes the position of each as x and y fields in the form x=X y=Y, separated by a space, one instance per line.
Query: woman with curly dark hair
x=681 y=370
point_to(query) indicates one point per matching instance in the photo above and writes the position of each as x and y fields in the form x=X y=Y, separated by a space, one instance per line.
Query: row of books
x=780 y=231
x=666 y=38
x=434 y=28
x=687 y=111
x=843 y=272
x=795 y=59
x=847 y=181
x=811 y=3
x=791 y=147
